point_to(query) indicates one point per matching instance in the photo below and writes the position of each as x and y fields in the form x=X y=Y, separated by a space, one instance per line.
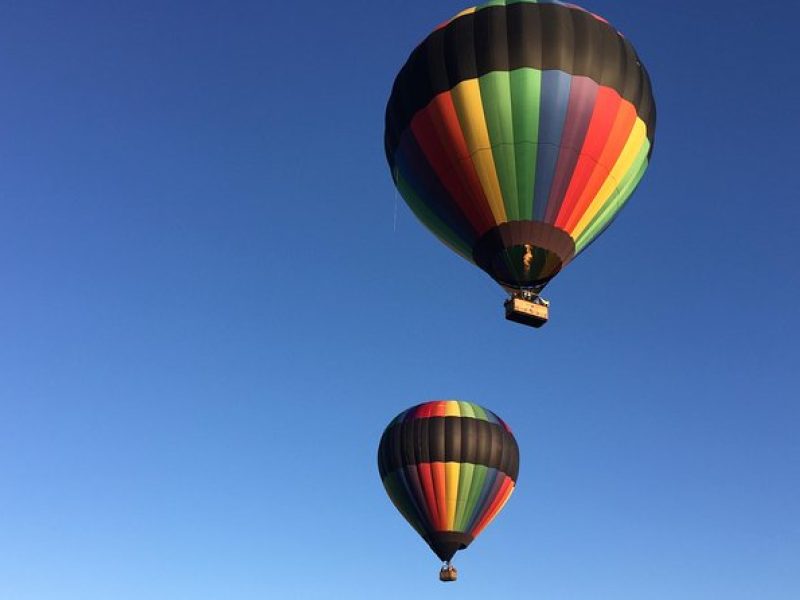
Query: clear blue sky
x=208 y=315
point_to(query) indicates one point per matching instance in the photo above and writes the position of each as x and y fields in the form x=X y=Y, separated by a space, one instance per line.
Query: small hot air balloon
x=516 y=132
x=449 y=467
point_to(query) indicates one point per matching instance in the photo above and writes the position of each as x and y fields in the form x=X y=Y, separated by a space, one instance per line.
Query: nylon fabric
x=515 y=112
x=448 y=466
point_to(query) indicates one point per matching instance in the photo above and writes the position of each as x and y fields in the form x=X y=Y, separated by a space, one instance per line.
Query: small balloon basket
x=448 y=573
x=527 y=309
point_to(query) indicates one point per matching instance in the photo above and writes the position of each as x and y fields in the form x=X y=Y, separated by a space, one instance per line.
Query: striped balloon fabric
x=517 y=131
x=449 y=467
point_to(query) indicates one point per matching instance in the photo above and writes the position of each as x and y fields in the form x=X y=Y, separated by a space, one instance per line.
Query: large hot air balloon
x=516 y=132
x=448 y=467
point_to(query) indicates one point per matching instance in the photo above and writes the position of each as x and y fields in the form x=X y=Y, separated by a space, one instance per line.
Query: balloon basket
x=448 y=573
x=533 y=311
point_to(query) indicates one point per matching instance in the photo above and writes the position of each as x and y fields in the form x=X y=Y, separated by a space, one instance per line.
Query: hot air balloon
x=449 y=467
x=516 y=132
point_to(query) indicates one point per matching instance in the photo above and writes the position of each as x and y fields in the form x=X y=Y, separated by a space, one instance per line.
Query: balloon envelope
x=449 y=467
x=517 y=131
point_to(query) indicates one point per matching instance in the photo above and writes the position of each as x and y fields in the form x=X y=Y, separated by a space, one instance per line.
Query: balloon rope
x=395 y=211
x=395 y=201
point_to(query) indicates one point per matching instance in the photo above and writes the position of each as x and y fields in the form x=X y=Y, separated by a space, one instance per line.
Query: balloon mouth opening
x=446 y=543
x=523 y=255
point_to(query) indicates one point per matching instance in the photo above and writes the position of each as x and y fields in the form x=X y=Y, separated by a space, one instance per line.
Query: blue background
x=213 y=301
